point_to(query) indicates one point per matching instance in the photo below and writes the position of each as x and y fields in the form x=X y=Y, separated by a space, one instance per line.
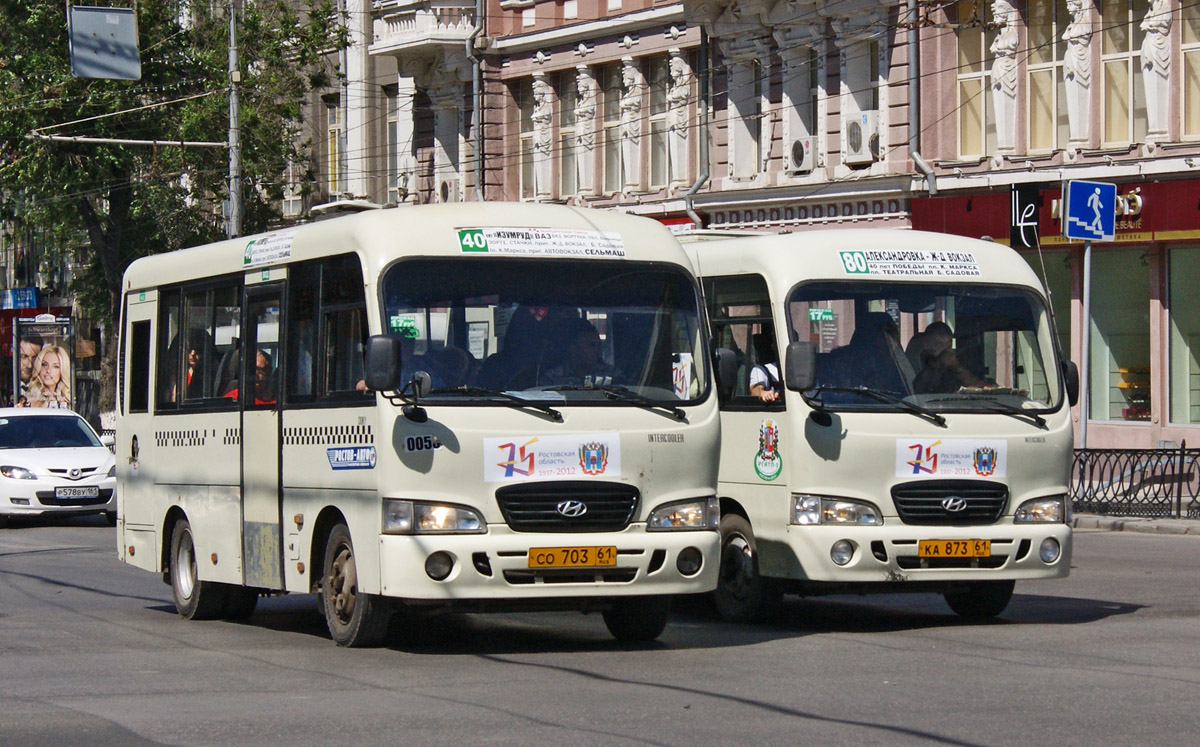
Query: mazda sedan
x=52 y=462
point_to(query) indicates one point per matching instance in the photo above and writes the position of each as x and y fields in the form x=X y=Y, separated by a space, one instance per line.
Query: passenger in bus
x=264 y=381
x=870 y=360
x=584 y=362
x=764 y=377
x=941 y=372
x=515 y=366
x=51 y=386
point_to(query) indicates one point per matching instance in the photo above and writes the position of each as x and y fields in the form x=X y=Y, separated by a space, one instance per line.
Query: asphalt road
x=92 y=652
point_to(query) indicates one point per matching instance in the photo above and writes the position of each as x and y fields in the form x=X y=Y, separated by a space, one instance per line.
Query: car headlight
x=112 y=471
x=683 y=516
x=410 y=517
x=16 y=473
x=1051 y=510
x=817 y=509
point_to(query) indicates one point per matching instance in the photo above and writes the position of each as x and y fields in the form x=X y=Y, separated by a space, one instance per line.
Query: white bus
x=915 y=435
x=477 y=406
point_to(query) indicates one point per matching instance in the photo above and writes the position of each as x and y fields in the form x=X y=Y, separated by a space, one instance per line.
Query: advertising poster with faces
x=42 y=362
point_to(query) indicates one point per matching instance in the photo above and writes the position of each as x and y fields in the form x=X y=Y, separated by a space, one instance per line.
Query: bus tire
x=194 y=599
x=240 y=602
x=355 y=620
x=638 y=619
x=739 y=593
x=982 y=600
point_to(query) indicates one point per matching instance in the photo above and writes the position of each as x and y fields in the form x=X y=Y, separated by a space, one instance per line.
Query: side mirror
x=726 y=366
x=800 y=366
x=1071 y=379
x=422 y=384
x=381 y=363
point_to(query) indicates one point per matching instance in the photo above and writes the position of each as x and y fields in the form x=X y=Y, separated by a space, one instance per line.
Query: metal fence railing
x=1151 y=483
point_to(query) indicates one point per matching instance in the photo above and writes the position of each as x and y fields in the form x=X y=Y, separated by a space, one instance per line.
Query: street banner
x=42 y=362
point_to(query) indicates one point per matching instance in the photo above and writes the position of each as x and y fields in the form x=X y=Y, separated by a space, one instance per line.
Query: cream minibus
x=476 y=406
x=915 y=434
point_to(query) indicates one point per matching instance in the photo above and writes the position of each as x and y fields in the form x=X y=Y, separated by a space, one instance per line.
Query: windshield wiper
x=997 y=406
x=625 y=394
x=909 y=407
x=513 y=399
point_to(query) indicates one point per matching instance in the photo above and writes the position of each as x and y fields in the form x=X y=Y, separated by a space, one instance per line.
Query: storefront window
x=1054 y=270
x=1120 y=336
x=1184 y=268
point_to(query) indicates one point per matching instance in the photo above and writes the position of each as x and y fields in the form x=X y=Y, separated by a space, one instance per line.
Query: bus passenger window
x=345 y=338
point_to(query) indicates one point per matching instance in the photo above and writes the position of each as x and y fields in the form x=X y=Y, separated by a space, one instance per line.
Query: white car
x=52 y=462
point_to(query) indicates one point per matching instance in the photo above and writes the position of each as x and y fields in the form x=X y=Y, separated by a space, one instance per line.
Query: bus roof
x=886 y=254
x=381 y=236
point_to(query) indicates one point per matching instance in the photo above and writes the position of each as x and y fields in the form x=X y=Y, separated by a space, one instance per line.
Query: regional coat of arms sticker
x=767 y=462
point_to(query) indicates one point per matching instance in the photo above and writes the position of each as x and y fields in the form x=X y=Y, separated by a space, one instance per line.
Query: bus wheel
x=638 y=619
x=982 y=600
x=354 y=619
x=195 y=599
x=739 y=593
x=241 y=602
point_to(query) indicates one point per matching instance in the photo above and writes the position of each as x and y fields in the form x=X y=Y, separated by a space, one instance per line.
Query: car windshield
x=948 y=346
x=48 y=432
x=556 y=332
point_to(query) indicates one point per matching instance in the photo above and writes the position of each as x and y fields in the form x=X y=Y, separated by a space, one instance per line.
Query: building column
x=360 y=113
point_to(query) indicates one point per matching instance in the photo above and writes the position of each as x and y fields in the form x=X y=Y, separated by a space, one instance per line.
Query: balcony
x=404 y=28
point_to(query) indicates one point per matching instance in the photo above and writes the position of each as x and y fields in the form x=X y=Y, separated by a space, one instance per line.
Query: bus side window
x=138 y=375
x=345 y=336
x=740 y=313
x=167 y=381
x=301 y=335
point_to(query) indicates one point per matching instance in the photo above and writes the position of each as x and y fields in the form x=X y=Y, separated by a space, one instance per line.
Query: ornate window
x=1124 y=118
x=660 y=82
x=565 y=90
x=976 y=118
x=525 y=106
x=611 y=87
x=1190 y=38
x=335 y=166
x=1048 y=124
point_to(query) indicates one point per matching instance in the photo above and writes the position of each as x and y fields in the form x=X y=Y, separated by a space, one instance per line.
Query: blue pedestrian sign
x=1089 y=211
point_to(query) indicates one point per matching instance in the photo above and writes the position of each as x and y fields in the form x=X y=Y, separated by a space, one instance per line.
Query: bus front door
x=261 y=455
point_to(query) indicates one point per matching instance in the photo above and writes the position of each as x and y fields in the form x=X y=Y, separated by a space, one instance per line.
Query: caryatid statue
x=678 y=122
x=585 y=128
x=632 y=98
x=543 y=137
x=1004 y=73
x=1156 y=67
x=1077 y=69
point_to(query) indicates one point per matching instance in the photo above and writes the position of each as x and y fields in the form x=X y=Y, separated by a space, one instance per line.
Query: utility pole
x=233 y=220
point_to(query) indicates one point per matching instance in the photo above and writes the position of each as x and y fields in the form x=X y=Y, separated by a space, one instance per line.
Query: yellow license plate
x=969 y=548
x=572 y=557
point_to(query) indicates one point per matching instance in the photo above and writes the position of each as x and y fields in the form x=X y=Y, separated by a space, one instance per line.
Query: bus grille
x=535 y=507
x=925 y=502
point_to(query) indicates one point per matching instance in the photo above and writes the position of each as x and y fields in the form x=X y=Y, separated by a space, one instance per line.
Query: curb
x=1135 y=524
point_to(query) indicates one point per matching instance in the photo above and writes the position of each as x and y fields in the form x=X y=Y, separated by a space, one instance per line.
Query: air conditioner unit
x=860 y=138
x=449 y=189
x=802 y=157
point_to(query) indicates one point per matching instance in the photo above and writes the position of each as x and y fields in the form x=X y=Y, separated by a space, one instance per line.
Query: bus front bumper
x=503 y=565
x=890 y=553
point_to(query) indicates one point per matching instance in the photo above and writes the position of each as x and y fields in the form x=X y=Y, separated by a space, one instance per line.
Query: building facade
x=754 y=115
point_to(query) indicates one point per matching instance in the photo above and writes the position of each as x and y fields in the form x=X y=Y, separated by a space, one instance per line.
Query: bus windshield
x=950 y=346
x=575 y=332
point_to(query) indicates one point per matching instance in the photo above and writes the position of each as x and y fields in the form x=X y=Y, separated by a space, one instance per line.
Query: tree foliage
x=121 y=202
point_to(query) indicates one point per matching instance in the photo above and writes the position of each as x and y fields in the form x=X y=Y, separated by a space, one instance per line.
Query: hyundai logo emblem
x=954 y=504
x=572 y=509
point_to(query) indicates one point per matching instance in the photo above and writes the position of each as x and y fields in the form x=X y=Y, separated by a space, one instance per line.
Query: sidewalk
x=1136 y=524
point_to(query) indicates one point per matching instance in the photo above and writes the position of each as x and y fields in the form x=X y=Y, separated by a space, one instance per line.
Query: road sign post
x=1089 y=213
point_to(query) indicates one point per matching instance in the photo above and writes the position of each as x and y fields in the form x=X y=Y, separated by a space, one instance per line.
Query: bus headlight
x=816 y=509
x=1042 y=511
x=682 y=516
x=409 y=517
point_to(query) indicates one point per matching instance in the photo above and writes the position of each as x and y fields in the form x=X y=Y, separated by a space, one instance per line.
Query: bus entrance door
x=261 y=456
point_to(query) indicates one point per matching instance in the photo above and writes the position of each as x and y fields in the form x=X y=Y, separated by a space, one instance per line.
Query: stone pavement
x=1136 y=524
